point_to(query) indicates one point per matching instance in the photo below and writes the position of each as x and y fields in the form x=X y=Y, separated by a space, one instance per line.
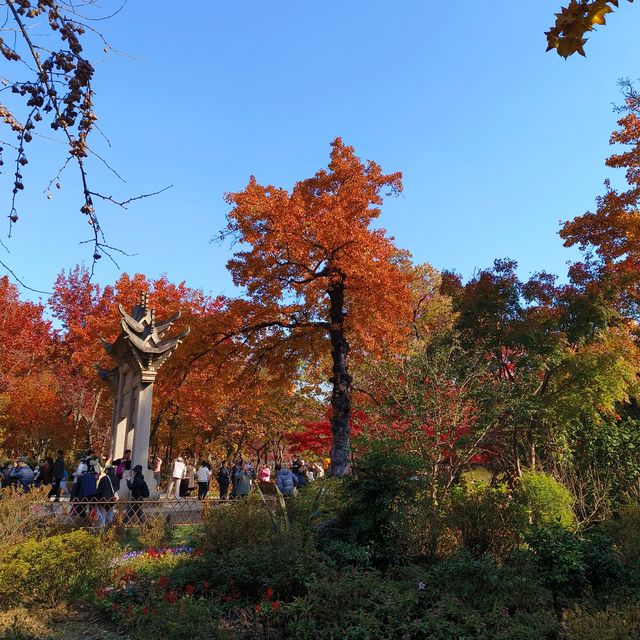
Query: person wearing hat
x=177 y=473
x=139 y=491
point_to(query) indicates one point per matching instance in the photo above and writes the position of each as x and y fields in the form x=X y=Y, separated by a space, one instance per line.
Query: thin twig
x=124 y=203
x=22 y=284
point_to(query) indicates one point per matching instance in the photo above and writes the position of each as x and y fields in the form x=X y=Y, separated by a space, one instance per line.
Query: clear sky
x=498 y=141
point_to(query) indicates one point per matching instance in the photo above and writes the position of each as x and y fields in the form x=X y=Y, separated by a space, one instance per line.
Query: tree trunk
x=341 y=380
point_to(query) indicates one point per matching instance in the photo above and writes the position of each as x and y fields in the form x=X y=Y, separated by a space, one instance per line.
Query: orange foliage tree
x=318 y=277
x=614 y=228
x=31 y=400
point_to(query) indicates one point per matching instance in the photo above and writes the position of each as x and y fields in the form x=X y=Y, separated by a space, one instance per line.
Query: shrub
x=155 y=532
x=487 y=519
x=604 y=571
x=560 y=557
x=22 y=516
x=234 y=525
x=546 y=500
x=186 y=619
x=22 y=624
x=620 y=622
x=53 y=569
x=385 y=482
x=624 y=531
x=339 y=554
x=423 y=605
x=247 y=549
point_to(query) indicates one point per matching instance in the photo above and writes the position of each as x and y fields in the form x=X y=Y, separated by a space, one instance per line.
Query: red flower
x=172 y=596
x=164 y=581
x=258 y=608
x=268 y=593
x=205 y=586
x=145 y=611
x=190 y=589
x=275 y=605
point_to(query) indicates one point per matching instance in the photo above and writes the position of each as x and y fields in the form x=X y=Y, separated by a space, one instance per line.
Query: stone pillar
x=139 y=352
x=142 y=433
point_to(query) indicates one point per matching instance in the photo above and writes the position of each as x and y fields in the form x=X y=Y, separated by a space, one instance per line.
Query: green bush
x=620 y=622
x=54 y=569
x=339 y=554
x=187 y=619
x=624 y=531
x=376 y=500
x=486 y=518
x=560 y=558
x=155 y=532
x=546 y=500
x=247 y=548
x=418 y=604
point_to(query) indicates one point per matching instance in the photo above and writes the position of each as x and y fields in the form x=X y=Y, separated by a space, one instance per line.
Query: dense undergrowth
x=367 y=557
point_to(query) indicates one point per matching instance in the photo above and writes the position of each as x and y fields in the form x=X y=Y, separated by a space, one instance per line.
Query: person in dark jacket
x=224 y=478
x=85 y=492
x=106 y=494
x=139 y=491
x=57 y=474
x=286 y=481
x=24 y=475
x=301 y=475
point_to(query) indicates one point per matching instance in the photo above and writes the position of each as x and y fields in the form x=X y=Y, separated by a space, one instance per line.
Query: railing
x=130 y=513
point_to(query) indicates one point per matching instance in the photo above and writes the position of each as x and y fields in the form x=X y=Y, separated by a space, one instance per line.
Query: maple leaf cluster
x=567 y=35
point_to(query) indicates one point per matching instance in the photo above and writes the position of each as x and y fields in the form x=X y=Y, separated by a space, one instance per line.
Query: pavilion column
x=139 y=352
x=142 y=434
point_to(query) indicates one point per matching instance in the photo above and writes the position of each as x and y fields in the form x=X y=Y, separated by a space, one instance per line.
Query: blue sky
x=498 y=141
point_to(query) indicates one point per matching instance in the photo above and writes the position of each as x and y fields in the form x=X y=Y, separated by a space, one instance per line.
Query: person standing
x=177 y=473
x=265 y=473
x=203 y=475
x=286 y=481
x=86 y=489
x=139 y=491
x=243 y=481
x=234 y=475
x=301 y=475
x=188 y=482
x=57 y=474
x=124 y=464
x=224 y=478
x=37 y=473
x=80 y=469
x=106 y=494
x=46 y=472
x=25 y=475
x=156 y=465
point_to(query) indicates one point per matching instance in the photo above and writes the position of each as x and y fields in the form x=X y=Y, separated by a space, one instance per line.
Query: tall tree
x=613 y=230
x=315 y=270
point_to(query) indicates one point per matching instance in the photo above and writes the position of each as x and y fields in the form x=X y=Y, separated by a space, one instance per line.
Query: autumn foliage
x=318 y=276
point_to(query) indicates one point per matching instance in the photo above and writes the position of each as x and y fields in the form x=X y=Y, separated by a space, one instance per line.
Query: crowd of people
x=236 y=479
x=94 y=480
